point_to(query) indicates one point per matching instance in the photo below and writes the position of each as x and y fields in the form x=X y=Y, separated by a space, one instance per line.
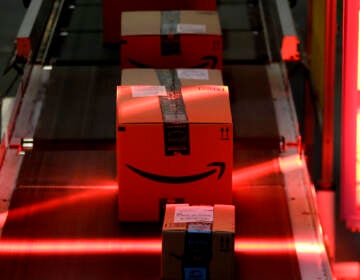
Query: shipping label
x=187 y=28
x=193 y=74
x=194 y=214
x=145 y=91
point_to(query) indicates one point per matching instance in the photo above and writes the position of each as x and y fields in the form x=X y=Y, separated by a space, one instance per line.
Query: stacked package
x=112 y=10
x=174 y=135
x=171 y=39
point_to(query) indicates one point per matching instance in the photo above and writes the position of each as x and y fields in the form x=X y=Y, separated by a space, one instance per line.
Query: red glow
x=357 y=170
x=350 y=104
x=82 y=246
x=138 y=106
x=358 y=57
x=288 y=164
x=144 y=246
x=265 y=246
x=357 y=149
x=289 y=48
x=291 y=163
x=202 y=92
x=62 y=201
x=254 y=171
x=347 y=270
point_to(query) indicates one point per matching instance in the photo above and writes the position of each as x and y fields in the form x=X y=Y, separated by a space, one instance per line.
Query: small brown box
x=198 y=242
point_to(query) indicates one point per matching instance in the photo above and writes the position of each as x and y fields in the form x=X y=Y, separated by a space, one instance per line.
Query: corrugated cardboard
x=187 y=77
x=171 y=39
x=198 y=242
x=149 y=22
x=112 y=9
x=164 y=154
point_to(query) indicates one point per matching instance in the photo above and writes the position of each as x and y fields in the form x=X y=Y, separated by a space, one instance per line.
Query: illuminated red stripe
x=266 y=246
x=144 y=246
x=255 y=171
x=288 y=164
x=49 y=205
x=82 y=246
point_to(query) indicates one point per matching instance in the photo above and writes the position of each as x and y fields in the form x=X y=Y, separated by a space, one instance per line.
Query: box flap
x=208 y=18
x=139 y=76
x=207 y=104
x=133 y=108
x=170 y=22
x=140 y=23
x=187 y=77
x=224 y=218
x=196 y=104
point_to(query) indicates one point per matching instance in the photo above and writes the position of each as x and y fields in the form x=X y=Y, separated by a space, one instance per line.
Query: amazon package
x=183 y=77
x=174 y=144
x=198 y=242
x=112 y=9
x=171 y=39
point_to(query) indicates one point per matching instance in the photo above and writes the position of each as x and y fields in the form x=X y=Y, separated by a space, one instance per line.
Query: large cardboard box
x=112 y=9
x=173 y=144
x=185 y=77
x=198 y=242
x=171 y=39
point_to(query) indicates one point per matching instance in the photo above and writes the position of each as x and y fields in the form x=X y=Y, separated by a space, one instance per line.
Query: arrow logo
x=210 y=61
x=181 y=179
x=138 y=64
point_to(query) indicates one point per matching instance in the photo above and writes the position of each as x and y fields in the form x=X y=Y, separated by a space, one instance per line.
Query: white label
x=193 y=74
x=143 y=91
x=191 y=28
x=193 y=214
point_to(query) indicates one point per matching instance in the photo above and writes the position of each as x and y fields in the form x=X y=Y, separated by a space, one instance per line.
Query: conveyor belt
x=78 y=39
x=239 y=16
x=68 y=168
x=85 y=17
x=251 y=102
x=79 y=104
x=243 y=36
x=51 y=202
x=90 y=216
x=67 y=197
x=78 y=112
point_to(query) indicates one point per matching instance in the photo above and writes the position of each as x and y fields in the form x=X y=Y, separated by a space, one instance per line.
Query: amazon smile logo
x=213 y=167
x=209 y=61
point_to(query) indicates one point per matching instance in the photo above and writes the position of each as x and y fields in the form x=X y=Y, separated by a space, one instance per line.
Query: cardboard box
x=172 y=145
x=198 y=242
x=186 y=77
x=171 y=39
x=112 y=9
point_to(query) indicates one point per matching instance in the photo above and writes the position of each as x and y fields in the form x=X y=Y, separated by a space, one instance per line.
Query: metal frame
x=329 y=93
x=31 y=30
x=349 y=212
x=307 y=231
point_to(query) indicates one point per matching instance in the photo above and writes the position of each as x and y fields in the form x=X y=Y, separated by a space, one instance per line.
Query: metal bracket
x=283 y=145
